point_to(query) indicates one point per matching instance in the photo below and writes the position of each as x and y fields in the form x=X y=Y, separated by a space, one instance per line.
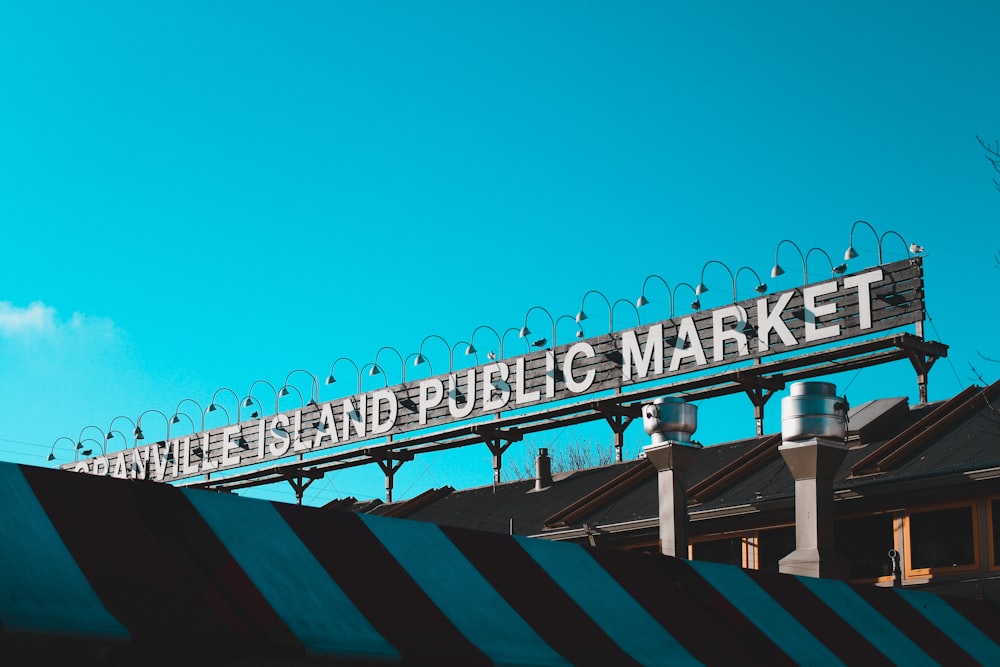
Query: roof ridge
x=907 y=440
x=601 y=495
x=408 y=507
x=727 y=474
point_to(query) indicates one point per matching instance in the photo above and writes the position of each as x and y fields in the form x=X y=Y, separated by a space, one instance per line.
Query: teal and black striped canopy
x=107 y=571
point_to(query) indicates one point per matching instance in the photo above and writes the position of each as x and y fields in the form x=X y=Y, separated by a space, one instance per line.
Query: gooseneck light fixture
x=695 y=305
x=467 y=347
x=287 y=389
x=776 y=270
x=123 y=438
x=175 y=418
x=111 y=432
x=247 y=402
x=330 y=379
x=643 y=301
x=525 y=331
x=579 y=329
x=702 y=287
x=503 y=337
x=424 y=362
x=581 y=315
x=834 y=270
x=213 y=406
x=851 y=253
x=627 y=302
x=471 y=349
x=89 y=451
x=52 y=452
x=376 y=369
x=759 y=288
x=421 y=359
x=139 y=435
x=313 y=386
x=907 y=248
x=80 y=438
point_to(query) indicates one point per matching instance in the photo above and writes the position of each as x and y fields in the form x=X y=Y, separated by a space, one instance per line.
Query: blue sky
x=200 y=195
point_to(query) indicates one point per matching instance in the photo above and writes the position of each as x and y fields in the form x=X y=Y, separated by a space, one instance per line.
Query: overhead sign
x=823 y=313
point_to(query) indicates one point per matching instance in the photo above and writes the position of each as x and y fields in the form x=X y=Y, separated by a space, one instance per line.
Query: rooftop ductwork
x=543 y=469
x=669 y=419
x=670 y=422
x=813 y=430
x=813 y=410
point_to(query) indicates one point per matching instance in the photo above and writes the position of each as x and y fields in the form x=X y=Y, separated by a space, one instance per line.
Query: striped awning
x=112 y=571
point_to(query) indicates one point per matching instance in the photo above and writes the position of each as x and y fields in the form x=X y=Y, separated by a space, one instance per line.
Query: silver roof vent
x=670 y=419
x=813 y=410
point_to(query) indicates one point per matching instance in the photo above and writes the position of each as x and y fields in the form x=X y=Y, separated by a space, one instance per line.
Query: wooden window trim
x=909 y=572
x=991 y=555
x=744 y=537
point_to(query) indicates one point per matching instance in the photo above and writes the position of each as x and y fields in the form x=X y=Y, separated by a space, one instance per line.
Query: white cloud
x=37 y=318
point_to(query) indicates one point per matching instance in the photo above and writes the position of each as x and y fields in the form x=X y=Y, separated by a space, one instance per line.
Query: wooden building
x=921 y=481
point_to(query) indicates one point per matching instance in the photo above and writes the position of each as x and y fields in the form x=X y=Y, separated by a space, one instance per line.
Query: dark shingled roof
x=959 y=435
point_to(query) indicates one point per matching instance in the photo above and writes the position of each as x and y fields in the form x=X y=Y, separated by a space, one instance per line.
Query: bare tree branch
x=979 y=376
x=993 y=155
x=577 y=455
x=983 y=356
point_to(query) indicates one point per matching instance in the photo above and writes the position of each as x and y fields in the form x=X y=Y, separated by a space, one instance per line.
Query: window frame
x=991 y=555
x=744 y=536
x=910 y=572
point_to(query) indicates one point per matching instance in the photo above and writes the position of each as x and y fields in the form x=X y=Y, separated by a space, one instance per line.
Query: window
x=942 y=540
x=728 y=551
x=865 y=543
x=994 y=506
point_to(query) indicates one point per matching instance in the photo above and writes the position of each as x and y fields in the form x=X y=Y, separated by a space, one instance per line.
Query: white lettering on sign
x=521 y=396
x=228 y=446
x=863 y=283
x=721 y=333
x=578 y=350
x=688 y=344
x=388 y=399
x=462 y=409
x=185 y=449
x=652 y=353
x=731 y=332
x=430 y=394
x=770 y=320
x=496 y=389
x=812 y=311
x=282 y=441
x=550 y=373
x=207 y=463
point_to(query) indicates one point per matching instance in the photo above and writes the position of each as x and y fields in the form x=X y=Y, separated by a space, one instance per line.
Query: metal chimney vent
x=813 y=410
x=543 y=469
x=670 y=418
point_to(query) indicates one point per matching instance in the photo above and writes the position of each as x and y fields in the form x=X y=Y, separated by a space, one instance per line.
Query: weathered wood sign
x=823 y=313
